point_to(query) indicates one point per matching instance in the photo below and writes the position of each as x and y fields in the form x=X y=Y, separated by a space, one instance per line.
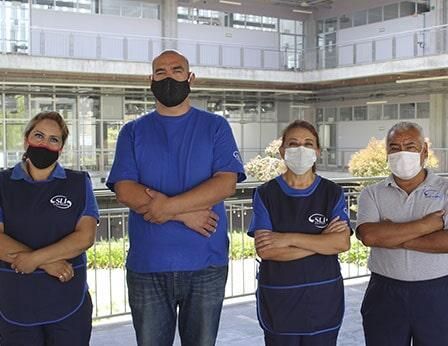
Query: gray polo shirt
x=385 y=200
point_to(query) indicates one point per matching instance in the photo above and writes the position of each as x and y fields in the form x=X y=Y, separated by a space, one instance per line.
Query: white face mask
x=404 y=164
x=300 y=159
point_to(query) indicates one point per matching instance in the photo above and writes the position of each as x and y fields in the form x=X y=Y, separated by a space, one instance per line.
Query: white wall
x=381 y=34
x=88 y=36
x=221 y=46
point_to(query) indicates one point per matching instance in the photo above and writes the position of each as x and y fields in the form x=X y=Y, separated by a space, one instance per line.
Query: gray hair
x=405 y=126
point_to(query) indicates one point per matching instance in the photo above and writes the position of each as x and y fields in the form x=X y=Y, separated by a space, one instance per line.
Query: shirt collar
x=19 y=173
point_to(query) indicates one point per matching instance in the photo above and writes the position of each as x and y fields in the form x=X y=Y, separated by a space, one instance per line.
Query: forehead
x=409 y=135
x=169 y=59
x=299 y=133
x=48 y=126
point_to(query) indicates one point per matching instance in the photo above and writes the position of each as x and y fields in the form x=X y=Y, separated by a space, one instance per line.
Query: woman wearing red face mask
x=48 y=218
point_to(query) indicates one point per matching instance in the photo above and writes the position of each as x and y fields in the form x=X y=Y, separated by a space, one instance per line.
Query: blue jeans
x=155 y=297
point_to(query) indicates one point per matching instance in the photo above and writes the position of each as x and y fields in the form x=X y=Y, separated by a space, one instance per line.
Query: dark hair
x=301 y=124
x=55 y=116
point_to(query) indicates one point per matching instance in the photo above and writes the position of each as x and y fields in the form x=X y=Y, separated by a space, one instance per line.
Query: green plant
x=358 y=253
x=241 y=246
x=107 y=254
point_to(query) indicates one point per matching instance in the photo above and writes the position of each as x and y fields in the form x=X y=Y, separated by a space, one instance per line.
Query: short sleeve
x=260 y=216
x=367 y=208
x=124 y=166
x=1 y=215
x=91 y=206
x=226 y=157
x=341 y=209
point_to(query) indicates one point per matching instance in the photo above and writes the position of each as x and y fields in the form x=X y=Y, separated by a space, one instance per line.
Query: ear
x=191 y=78
x=425 y=152
x=150 y=78
x=318 y=152
x=282 y=152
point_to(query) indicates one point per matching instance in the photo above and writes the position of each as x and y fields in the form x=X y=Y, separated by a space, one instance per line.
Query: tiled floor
x=239 y=325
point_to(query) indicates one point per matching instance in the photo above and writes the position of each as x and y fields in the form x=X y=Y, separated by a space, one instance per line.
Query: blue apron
x=37 y=215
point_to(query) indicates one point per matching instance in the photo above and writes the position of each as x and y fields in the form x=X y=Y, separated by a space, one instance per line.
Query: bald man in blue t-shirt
x=173 y=168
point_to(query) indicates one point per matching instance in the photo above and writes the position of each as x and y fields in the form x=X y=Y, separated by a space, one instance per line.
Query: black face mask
x=170 y=92
x=41 y=157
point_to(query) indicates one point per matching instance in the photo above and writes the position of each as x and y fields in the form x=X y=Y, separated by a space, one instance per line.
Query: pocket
x=305 y=309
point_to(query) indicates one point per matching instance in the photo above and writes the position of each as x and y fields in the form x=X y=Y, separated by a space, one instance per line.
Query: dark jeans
x=398 y=313
x=155 y=297
x=324 y=339
x=75 y=330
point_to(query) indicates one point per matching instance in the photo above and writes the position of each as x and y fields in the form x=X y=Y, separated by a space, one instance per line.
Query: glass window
x=407 y=110
x=423 y=110
x=16 y=106
x=374 y=112
x=345 y=22
x=320 y=26
x=375 y=15
x=14 y=136
x=232 y=110
x=360 y=113
x=270 y=24
x=110 y=133
x=390 y=112
x=360 y=18
x=345 y=113
x=66 y=106
x=319 y=115
x=330 y=24
x=267 y=111
x=390 y=11
x=407 y=8
x=250 y=110
x=330 y=114
x=287 y=26
x=423 y=6
x=41 y=103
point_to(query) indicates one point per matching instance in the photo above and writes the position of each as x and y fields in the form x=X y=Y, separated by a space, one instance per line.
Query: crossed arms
x=193 y=207
x=51 y=258
x=424 y=235
x=286 y=246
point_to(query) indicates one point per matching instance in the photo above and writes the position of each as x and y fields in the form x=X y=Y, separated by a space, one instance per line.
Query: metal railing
x=134 y=48
x=106 y=274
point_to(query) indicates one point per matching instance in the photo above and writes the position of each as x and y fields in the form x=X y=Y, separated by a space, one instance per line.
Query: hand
x=24 y=262
x=336 y=226
x=158 y=208
x=203 y=221
x=265 y=239
x=62 y=270
x=434 y=221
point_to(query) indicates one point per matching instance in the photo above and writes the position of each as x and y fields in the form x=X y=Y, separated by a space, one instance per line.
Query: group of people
x=173 y=168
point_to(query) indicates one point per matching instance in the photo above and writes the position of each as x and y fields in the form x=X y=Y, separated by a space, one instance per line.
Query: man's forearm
x=436 y=242
x=132 y=194
x=205 y=195
x=391 y=235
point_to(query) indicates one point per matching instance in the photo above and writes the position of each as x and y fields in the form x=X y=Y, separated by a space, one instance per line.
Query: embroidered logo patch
x=432 y=194
x=318 y=220
x=61 y=202
x=237 y=156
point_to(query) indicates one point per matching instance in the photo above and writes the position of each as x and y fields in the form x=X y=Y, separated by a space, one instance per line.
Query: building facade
x=350 y=67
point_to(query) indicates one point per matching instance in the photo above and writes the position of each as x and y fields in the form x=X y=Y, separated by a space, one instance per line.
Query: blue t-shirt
x=173 y=154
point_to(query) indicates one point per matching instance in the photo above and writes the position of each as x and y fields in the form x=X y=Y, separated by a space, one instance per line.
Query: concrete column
x=168 y=16
x=440 y=10
x=310 y=44
x=438 y=120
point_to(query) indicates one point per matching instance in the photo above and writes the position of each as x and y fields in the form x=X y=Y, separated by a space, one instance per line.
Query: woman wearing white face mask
x=300 y=224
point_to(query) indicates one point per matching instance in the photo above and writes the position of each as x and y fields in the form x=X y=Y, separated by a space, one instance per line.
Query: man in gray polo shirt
x=403 y=220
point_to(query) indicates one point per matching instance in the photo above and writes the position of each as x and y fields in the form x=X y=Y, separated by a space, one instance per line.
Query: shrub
x=357 y=254
x=269 y=165
x=105 y=255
